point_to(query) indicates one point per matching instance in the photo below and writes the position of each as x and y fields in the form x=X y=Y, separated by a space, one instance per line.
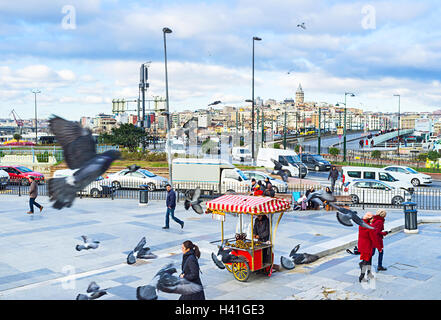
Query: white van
x=241 y=154
x=208 y=175
x=100 y=187
x=350 y=174
x=288 y=158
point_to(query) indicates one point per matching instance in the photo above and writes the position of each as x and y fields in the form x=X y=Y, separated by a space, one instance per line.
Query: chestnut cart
x=256 y=255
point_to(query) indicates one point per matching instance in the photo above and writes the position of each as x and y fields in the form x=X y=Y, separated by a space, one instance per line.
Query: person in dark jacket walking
x=269 y=190
x=171 y=206
x=377 y=237
x=333 y=175
x=190 y=269
x=33 y=193
x=365 y=247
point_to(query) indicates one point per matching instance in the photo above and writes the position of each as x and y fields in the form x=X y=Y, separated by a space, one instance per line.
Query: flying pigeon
x=344 y=216
x=287 y=263
x=146 y=253
x=165 y=281
x=141 y=252
x=278 y=170
x=133 y=168
x=88 y=244
x=224 y=256
x=355 y=252
x=79 y=153
x=94 y=292
x=302 y=25
x=302 y=258
x=194 y=201
x=320 y=196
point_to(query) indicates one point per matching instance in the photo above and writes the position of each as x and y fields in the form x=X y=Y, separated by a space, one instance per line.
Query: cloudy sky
x=83 y=53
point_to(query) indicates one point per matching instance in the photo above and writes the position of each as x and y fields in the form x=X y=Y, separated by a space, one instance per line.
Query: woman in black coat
x=190 y=269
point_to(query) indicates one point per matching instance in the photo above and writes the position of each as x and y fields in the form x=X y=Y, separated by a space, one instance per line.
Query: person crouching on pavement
x=377 y=237
x=365 y=248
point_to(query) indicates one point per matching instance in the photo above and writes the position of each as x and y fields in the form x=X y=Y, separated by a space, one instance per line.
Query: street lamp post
x=165 y=31
x=263 y=129
x=284 y=131
x=36 y=124
x=319 y=130
x=344 y=130
x=399 y=122
x=252 y=108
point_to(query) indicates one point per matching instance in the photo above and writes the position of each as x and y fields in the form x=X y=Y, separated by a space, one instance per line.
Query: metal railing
x=426 y=198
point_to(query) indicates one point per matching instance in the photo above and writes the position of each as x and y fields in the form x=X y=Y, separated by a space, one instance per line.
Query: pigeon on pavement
x=165 y=281
x=94 y=292
x=79 y=153
x=344 y=216
x=88 y=244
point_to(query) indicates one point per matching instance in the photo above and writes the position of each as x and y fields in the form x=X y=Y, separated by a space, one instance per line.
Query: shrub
x=277 y=146
x=433 y=155
x=376 y=154
x=43 y=157
x=334 y=151
x=422 y=157
x=297 y=148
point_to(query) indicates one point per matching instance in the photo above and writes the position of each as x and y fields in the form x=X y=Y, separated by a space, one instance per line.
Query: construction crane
x=18 y=121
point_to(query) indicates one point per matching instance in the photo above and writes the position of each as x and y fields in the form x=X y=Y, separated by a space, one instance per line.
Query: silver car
x=140 y=179
x=279 y=186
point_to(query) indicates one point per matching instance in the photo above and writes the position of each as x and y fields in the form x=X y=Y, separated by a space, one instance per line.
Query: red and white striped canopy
x=247 y=204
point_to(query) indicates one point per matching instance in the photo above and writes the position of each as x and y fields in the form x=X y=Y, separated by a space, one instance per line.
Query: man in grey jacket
x=33 y=193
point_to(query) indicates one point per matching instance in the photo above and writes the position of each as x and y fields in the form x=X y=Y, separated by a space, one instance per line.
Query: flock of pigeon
x=80 y=153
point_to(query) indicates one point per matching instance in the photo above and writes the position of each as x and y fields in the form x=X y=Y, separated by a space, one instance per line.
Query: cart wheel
x=228 y=267
x=241 y=270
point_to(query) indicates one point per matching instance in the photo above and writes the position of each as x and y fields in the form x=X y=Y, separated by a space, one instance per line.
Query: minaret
x=300 y=95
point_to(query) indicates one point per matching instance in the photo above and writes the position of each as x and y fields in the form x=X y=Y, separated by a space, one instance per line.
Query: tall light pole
x=399 y=121
x=252 y=108
x=319 y=130
x=165 y=31
x=36 y=124
x=344 y=130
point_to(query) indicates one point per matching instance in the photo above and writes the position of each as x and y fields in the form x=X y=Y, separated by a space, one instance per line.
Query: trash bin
x=143 y=196
x=410 y=217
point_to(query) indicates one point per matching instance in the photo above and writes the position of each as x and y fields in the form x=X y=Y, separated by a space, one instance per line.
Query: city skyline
x=374 y=50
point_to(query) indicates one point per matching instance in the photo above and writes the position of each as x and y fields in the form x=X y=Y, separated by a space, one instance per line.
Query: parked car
x=241 y=154
x=98 y=188
x=406 y=173
x=21 y=174
x=4 y=179
x=139 y=179
x=278 y=185
x=391 y=178
x=315 y=162
x=373 y=192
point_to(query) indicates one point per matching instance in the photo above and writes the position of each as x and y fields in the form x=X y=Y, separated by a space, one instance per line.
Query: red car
x=21 y=174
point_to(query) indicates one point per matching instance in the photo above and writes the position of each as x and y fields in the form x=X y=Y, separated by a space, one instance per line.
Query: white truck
x=212 y=175
x=288 y=158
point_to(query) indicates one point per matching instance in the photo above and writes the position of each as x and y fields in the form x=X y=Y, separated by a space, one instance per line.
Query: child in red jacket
x=377 y=237
x=365 y=248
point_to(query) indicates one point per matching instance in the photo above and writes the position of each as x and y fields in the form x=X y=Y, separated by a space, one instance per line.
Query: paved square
x=40 y=261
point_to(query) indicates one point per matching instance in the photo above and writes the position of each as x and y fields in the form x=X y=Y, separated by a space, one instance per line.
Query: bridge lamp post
x=399 y=122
